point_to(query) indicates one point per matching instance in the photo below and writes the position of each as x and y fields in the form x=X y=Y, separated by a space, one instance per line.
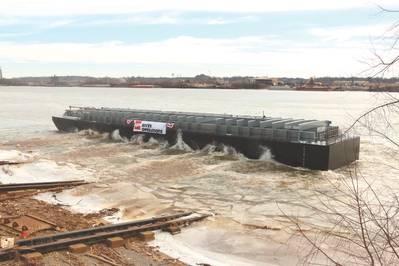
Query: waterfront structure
x=263 y=82
x=304 y=143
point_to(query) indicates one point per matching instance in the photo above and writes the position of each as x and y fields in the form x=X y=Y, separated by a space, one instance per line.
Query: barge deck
x=312 y=144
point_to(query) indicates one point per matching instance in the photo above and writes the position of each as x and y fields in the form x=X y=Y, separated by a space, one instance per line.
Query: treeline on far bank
x=199 y=81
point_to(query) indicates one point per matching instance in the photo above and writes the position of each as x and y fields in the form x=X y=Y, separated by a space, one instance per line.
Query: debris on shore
x=46 y=221
x=34 y=232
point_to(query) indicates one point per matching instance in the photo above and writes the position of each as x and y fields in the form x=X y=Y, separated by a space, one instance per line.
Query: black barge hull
x=312 y=156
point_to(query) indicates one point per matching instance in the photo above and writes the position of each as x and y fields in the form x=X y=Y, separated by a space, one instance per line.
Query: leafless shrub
x=362 y=226
x=385 y=52
x=361 y=219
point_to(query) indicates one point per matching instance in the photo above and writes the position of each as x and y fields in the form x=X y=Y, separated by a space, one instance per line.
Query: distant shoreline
x=396 y=89
x=208 y=82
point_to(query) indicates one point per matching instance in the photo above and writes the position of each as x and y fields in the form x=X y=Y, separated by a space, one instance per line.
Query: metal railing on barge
x=253 y=127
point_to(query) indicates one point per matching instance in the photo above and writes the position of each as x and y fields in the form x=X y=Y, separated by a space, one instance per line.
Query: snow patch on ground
x=90 y=203
x=42 y=171
x=49 y=171
x=115 y=218
x=190 y=246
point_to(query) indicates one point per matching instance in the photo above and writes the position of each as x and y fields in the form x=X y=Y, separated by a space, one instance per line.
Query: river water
x=246 y=196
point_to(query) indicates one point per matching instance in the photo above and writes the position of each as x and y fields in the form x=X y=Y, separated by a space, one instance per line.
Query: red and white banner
x=149 y=127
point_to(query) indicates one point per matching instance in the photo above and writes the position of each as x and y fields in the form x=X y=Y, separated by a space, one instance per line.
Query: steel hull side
x=316 y=157
x=344 y=152
x=71 y=125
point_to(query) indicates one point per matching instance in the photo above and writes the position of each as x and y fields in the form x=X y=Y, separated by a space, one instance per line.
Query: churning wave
x=214 y=153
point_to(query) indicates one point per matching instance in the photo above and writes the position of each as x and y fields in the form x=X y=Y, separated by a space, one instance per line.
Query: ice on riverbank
x=15 y=156
x=42 y=171
x=81 y=204
x=49 y=171
x=208 y=245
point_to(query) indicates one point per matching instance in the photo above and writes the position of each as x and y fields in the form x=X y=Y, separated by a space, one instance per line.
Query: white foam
x=209 y=149
x=222 y=150
x=115 y=135
x=89 y=132
x=137 y=139
x=180 y=144
x=153 y=141
x=266 y=155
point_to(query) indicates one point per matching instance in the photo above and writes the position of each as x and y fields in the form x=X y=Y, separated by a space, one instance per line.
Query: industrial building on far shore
x=208 y=82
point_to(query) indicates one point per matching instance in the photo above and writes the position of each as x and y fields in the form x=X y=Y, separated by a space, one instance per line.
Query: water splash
x=137 y=139
x=180 y=144
x=148 y=143
x=92 y=134
x=208 y=149
x=266 y=154
x=154 y=143
x=115 y=135
x=221 y=153
x=229 y=150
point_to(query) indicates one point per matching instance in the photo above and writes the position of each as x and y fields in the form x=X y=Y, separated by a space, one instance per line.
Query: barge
x=312 y=144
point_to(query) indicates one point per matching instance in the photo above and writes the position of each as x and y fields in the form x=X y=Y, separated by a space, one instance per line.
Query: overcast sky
x=184 y=37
